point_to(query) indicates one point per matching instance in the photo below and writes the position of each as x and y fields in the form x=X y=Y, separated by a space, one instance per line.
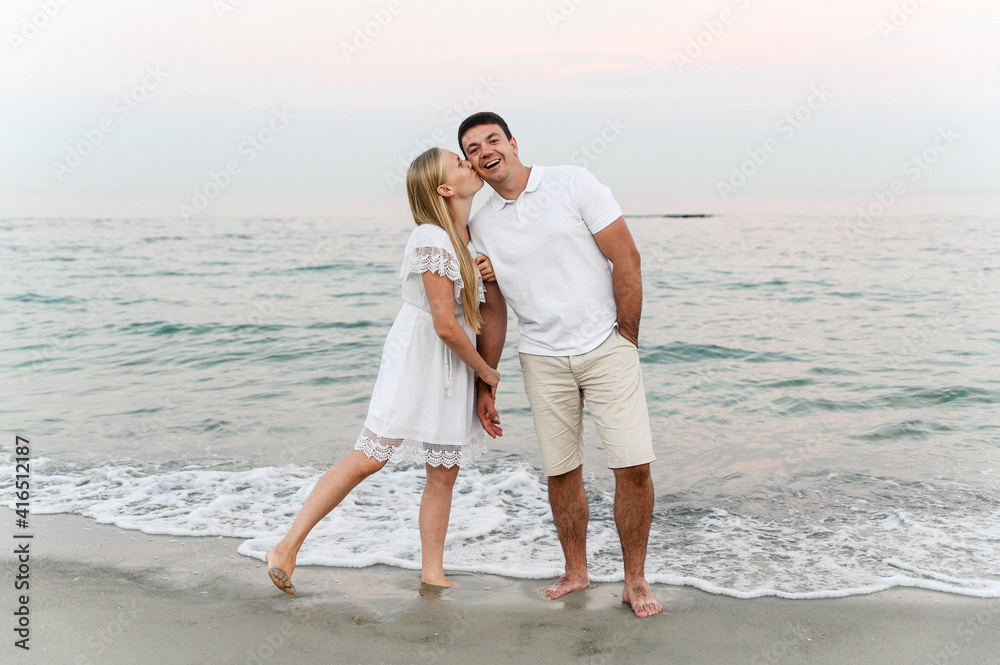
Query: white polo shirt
x=546 y=261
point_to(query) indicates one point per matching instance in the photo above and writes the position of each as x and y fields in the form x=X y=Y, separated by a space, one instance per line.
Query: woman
x=423 y=403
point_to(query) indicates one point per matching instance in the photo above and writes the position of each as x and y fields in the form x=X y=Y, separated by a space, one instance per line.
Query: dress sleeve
x=430 y=249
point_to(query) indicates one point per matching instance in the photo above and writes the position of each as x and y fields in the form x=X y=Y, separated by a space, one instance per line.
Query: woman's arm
x=441 y=296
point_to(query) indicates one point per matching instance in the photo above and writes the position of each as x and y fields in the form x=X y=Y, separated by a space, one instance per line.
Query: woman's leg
x=435 y=509
x=331 y=489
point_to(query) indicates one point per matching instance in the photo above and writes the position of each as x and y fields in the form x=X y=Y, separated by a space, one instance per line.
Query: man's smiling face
x=492 y=155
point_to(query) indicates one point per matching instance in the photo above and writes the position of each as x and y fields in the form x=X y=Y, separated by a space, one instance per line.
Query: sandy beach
x=100 y=594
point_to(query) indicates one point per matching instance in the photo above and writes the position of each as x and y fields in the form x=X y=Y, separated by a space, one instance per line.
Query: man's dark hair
x=481 y=118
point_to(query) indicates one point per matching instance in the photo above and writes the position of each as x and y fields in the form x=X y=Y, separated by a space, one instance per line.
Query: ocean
x=823 y=388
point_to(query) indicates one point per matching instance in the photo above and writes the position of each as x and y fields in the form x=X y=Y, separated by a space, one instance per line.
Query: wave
x=908 y=429
x=670 y=216
x=323 y=325
x=683 y=352
x=900 y=398
x=917 y=535
x=32 y=297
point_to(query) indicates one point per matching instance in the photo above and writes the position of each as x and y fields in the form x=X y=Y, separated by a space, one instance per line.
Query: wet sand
x=100 y=594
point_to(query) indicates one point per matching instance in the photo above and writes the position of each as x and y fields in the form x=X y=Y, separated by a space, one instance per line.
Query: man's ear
x=513 y=142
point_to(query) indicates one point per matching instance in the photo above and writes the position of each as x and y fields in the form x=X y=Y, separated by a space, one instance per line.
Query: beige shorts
x=609 y=380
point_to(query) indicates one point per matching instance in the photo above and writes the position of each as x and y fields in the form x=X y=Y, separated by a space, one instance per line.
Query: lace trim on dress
x=482 y=288
x=442 y=262
x=435 y=454
x=434 y=259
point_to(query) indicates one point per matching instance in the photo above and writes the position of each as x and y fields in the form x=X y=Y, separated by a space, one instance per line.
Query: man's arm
x=489 y=342
x=617 y=244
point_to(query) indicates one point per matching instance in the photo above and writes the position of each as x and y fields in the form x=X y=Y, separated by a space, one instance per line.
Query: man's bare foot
x=568 y=583
x=640 y=597
x=279 y=569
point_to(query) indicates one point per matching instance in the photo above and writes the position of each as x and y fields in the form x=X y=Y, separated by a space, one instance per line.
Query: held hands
x=486 y=409
x=491 y=378
x=485 y=268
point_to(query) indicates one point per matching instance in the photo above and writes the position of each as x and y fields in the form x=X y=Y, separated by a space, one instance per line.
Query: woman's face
x=459 y=175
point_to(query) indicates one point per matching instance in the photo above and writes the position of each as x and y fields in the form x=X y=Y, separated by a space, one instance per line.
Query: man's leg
x=571 y=513
x=633 y=516
x=611 y=380
x=557 y=411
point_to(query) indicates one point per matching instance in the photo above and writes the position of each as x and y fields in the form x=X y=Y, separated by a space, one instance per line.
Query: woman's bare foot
x=436 y=581
x=279 y=569
x=640 y=597
x=568 y=583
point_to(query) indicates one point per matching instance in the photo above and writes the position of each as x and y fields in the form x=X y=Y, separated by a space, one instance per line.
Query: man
x=564 y=259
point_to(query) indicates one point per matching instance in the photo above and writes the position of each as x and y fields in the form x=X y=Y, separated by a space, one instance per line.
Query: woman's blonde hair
x=426 y=173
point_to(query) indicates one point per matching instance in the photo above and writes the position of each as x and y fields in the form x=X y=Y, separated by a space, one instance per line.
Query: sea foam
x=501 y=524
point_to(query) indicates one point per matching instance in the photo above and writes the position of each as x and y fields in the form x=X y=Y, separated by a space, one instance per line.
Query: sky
x=728 y=99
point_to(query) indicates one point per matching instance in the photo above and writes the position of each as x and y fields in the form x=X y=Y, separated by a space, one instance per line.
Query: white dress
x=423 y=404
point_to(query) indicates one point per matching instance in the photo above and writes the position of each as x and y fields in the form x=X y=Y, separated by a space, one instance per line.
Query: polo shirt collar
x=534 y=180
